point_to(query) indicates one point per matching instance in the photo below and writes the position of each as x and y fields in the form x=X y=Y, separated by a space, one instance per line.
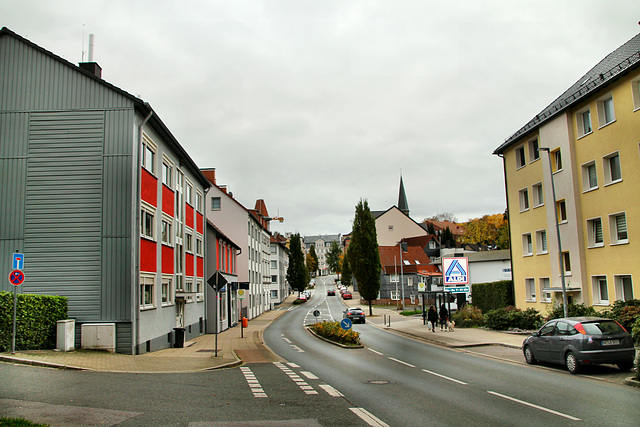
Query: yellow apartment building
x=588 y=142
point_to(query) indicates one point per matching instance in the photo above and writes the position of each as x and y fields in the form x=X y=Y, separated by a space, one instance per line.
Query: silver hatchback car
x=578 y=341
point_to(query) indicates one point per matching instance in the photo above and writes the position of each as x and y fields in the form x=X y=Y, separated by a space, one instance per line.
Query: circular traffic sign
x=346 y=324
x=16 y=277
x=316 y=313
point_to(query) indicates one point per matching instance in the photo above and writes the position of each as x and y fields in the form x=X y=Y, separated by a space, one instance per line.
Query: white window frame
x=586 y=176
x=542 y=243
x=635 y=92
x=556 y=160
x=395 y=295
x=188 y=241
x=167 y=219
x=534 y=154
x=394 y=278
x=147 y=281
x=216 y=203
x=606 y=107
x=584 y=127
x=596 y=282
x=545 y=296
x=167 y=171
x=199 y=290
x=188 y=287
x=614 y=229
x=147 y=210
x=566 y=262
x=199 y=244
x=527 y=245
x=168 y=285
x=592 y=233
x=521 y=157
x=620 y=293
x=199 y=199
x=609 y=179
x=537 y=193
x=530 y=289
x=523 y=197
x=188 y=194
x=148 y=146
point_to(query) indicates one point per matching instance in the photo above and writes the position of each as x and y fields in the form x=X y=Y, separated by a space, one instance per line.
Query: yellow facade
x=595 y=126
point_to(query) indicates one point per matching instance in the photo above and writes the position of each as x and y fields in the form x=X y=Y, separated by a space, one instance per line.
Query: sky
x=313 y=105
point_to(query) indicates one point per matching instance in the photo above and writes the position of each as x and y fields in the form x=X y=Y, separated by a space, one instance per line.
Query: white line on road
x=404 y=363
x=293 y=365
x=551 y=411
x=446 y=378
x=309 y=375
x=376 y=352
x=295 y=347
x=368 y=418
x=287 y=340
x=330 y=390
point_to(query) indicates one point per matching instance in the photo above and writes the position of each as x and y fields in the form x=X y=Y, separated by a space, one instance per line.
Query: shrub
x=299 y=301
x=468 y=317
x=334 y=332
x=493 y=295
x=573 y=310
x=511 y=317
x=625 y=312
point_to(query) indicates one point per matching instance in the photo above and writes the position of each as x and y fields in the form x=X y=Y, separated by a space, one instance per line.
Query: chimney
x=91 y=66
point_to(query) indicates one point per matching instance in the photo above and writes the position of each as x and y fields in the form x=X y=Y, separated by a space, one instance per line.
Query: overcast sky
x=313 y=105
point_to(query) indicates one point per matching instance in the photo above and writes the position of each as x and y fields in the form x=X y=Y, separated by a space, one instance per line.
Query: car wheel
x=529 y=357
x=625 y=366
x=572 y=363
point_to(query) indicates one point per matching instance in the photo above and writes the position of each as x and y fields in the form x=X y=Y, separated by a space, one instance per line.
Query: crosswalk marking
x=330 y=390
x=309 y=375
x=296 y=378
x=253 y=382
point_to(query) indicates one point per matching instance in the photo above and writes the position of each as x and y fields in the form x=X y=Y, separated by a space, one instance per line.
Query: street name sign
x=458 y=290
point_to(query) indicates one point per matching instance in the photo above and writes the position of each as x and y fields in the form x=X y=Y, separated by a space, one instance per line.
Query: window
x=623 y=288
x=594 y=232
x=199 y=246
x=521 y=160
x=556 y=163
x=584 y=122
x=606 y=113
x=527 y=245
x=589 y=176
x=167 y=223
x=618 y=228
x=394 y=278
x=200 y=290
x=394 y=296
x=541 y=242
x=635 y=90
x=274 y=279
x=166 y=173
x=566 y=260
x=561 y=208
x=274 y=264
x=189 y=289
x=274 y=293
x=188 y=242
x=147 y=289
x=612 y=171
x=390 y=227
x=432 y=244
x=600 y=290
x=198 y=201
x=534 y=154
x=189 y=193
x=545 y=296
x=167 y=290
x=538 y=195
x=149 y=154
x=530 y=286
x=524 y=199
x=215 y=203
x=147 y=221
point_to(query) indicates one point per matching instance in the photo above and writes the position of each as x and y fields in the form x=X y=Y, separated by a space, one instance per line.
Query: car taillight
x=580 y=328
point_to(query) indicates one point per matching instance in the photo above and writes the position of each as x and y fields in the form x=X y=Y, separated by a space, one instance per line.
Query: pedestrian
x=444 y=317
x=432 y=316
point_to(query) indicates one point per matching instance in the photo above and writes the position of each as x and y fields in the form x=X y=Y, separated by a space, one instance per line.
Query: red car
x=346 y=295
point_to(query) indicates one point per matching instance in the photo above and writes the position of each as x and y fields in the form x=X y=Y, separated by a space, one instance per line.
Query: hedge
x=492 y=295
x=36 y=320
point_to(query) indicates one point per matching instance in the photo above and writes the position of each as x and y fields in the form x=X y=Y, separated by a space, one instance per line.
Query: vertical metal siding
x=63 y=208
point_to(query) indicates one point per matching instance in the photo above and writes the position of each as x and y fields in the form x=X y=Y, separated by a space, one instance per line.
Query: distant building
x=279 y=289
x=322 y=244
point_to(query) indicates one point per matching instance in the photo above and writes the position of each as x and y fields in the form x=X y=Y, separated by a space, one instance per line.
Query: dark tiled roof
x=620 y=61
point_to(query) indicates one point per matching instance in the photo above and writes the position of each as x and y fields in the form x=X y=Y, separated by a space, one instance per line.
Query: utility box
x=66 y=335
x=99 y=336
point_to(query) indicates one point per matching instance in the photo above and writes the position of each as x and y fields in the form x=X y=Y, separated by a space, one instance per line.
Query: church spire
x=402 y=199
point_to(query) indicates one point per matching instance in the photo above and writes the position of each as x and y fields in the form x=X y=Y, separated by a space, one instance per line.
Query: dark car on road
x=331 y=292
x=356 y=315
x=579 y=341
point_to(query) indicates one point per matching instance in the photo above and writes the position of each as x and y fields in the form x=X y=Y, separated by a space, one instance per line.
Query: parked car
x=303 y=297
x=578 y=341
x=347 y=295
x=356 y=315
x=331 y=292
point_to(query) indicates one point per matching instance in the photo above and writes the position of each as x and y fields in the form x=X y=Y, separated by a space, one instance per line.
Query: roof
x=140 y=106
x=224 y=236
x=323 y=237
x=619 y=62
x=418 y=261
x=499 y=255
x=421 y=241
x=456 y=229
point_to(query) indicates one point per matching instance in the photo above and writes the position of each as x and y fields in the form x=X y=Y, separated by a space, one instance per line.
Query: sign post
x=16 y=278
x=217 y=282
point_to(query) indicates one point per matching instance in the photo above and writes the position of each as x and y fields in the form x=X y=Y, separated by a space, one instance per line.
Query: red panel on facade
x=200 y=262
x=167 y=259
x=189 y=267
x=188 y=210
x=148 y=256
x=199 y=223
x=167 y=200
x=149 y=188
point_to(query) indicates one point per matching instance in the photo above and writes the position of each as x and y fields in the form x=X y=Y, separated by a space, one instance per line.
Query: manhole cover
x=378 y=382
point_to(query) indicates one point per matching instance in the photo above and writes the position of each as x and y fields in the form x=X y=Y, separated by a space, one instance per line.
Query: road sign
x=455 y=271
x=316 y=313
x=18 y=261
x=346 y=324
x=422 y=287
x=217 y=281
x=16 y=277
x=240 y=293
x=458 y=290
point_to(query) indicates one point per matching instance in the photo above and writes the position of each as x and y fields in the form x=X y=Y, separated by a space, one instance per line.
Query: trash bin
x=245 y=322
x=179 y=337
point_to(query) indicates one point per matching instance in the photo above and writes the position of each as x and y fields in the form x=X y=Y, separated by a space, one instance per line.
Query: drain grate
x=378 y=382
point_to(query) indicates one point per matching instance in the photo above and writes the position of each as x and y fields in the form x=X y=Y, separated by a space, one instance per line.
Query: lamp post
x=401 y=278
x=560 y=256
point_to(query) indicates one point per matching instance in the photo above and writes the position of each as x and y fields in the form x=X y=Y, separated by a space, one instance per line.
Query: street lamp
x=560 y=257
x=402 y=245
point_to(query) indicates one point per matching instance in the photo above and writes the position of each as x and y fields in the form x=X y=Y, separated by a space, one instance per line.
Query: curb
x=19 y=361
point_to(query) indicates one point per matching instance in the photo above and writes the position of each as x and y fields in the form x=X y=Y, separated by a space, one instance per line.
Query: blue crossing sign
x=18 y=261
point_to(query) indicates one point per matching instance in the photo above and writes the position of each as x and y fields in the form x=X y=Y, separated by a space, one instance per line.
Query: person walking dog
x=432 y=317
x=444 y=317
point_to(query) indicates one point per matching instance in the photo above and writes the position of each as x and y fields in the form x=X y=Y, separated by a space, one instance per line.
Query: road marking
x=330 y=390
x=404 y=363
x=376 y=352
x=446 y=378
x=287 y=340
x=293 y=365
x=368 y=418
x=551 y=411
x=253 y=383
x=296 y=379
x=295 y=347
x=309 y=375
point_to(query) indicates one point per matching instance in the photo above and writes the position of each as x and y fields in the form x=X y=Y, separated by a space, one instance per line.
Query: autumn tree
x=297 y=273
x=312 y=261
x=485 y=230
x=333 y=257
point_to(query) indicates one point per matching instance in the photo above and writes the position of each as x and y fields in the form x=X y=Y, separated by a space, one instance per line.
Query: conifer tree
x=297 y=274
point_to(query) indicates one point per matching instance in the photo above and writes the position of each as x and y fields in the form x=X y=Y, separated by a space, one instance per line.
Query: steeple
x=402 y=199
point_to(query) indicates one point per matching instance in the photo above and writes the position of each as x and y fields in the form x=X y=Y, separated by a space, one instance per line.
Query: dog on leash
x=450 y=325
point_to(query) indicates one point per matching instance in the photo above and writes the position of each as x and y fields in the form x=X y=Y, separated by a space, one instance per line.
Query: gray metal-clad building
x=100 y=197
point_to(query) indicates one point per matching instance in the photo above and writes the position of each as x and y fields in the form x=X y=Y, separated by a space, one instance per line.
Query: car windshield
x=602 y=327
x=355 y=311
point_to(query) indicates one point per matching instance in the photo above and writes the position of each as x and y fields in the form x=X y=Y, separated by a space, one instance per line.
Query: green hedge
x=468 y=317
x=36 y=320
x=506 y=318
x=493 y=295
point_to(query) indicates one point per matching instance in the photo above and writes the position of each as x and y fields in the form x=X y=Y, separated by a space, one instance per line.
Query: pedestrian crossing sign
x=455 y=270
